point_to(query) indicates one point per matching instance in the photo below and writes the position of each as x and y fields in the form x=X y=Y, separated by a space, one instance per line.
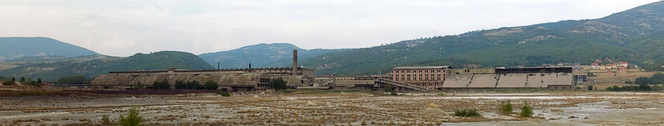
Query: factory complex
x=400 y=78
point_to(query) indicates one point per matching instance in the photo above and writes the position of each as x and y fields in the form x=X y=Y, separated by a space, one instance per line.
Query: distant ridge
x=632 y=35
x=17 y=47
x=261 y=55
x=51 y=68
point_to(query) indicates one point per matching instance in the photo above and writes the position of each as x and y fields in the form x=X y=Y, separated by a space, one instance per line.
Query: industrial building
x=422 y=76
x=238 y=79
x=444 y=77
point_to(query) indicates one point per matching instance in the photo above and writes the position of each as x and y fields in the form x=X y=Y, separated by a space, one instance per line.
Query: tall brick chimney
x=294 y=62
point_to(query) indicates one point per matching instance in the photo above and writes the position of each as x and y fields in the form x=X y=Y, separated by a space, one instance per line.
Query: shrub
x=161 y=85
x=105 y=120
x=506 y=108
x=193 y=85
x=526 y=110
x=590 y=87
x=225 y=94
x=8 y=83
x=133 y=119
x=278 y=84
x=467 y=113
x=211 y=85
x=179 y=84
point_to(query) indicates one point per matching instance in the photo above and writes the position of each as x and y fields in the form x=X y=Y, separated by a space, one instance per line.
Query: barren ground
x=338 y=108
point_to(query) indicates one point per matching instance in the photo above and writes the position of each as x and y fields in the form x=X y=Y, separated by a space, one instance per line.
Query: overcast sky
x=122 y=28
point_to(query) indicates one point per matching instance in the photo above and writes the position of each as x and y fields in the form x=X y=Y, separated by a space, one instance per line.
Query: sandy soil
x=264 y=108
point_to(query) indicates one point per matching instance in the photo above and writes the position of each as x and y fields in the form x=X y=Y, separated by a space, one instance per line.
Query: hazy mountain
x=621 y=36
x=261 y=55
x=17 y=47
x=51 y=68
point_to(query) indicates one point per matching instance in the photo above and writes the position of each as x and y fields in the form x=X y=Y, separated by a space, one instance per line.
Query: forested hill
x=51 y=68
x=620 y=37
x=17 y=47
x=261 y=55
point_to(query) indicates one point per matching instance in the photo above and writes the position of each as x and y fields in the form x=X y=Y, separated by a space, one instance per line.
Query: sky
x=126 y=27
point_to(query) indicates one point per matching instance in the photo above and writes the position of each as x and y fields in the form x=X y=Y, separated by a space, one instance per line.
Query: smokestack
x=249 y=67
x=294 y=62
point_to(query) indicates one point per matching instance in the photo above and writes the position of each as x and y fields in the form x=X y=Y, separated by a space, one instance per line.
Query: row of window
x=417 y=78
x=418 y=71
x=429 y=84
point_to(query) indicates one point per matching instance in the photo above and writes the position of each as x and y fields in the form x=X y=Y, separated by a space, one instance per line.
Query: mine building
x=234 y=79
x=527 y=77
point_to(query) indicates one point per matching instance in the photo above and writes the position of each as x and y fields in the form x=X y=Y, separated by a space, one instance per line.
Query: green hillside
x=619 y=36
x=51 y=69
x=17 y=47
x=261 y=55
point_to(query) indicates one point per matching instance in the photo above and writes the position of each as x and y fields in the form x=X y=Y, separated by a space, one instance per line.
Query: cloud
x=122 y=28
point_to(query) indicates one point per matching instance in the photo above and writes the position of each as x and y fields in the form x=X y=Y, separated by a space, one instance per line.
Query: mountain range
x=17 y=47
x=635 y=35
x=261 y=55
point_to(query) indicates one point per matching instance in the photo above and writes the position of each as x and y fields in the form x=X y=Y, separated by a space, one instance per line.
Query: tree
x=526 y=110
x=506 y=108
x=133 y=119
x=161 y=85
x=193 y=85
x=39 y=81
x=387 y=88
x=22 y=79
x=590 y=87
x=278 y=84
x=180 y=84
x=644 y=87
x=13 y=79
x=211 y=85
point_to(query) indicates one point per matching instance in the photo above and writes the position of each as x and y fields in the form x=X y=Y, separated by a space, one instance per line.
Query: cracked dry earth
x=259 y=108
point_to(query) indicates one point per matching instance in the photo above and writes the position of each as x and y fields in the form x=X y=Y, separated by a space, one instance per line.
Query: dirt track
x=260 y=108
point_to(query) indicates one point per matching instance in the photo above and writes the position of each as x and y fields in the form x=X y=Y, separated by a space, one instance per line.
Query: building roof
x=421 y=67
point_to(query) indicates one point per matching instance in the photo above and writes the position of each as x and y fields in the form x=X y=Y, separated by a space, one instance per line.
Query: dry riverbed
x=265 y=108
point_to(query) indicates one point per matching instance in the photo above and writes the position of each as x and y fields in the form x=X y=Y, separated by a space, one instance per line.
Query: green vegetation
x=590 y=87
x=22 y=79
x=78 y=79
x=526 y=110
x=534 y=45
x=211 y=85
x=180 y=84
x=657 y=78
x=133 y=119
x=105 y=120
x=278 y=84
x=506 y=107
x=640 y=87
x=161 y=85
x=261 y=55
x=388 y=88
x=92 y=66
x=8 y=83
x=467 y=113
x=225 y=94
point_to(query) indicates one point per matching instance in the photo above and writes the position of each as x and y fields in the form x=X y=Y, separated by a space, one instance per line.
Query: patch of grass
x=225 y=94
x=467 y=113
x=506 y=108
x=526 y=110
x=105 y=120
x=8 y=83
x=133 y=119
